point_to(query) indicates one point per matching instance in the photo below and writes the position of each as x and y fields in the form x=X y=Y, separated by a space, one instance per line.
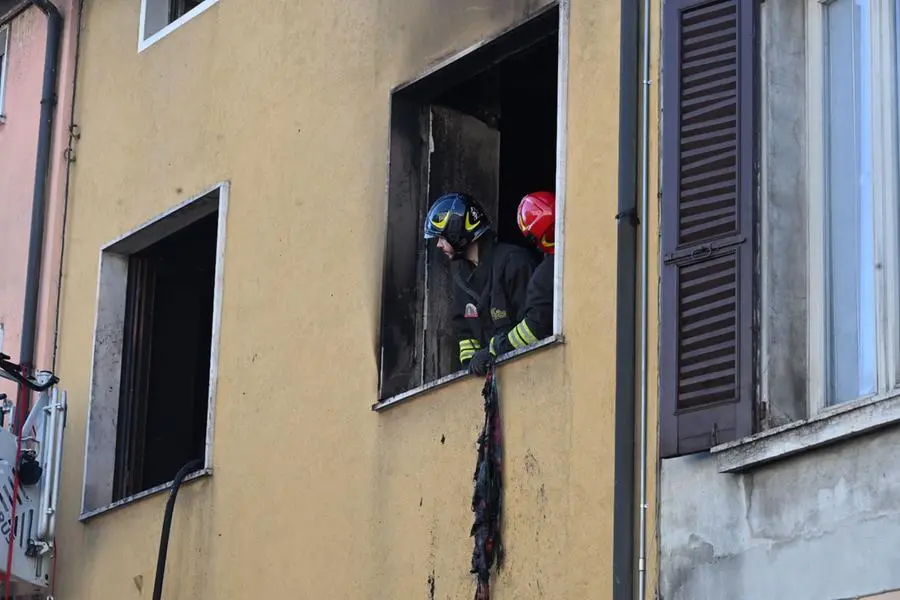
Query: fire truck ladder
x=30 y=465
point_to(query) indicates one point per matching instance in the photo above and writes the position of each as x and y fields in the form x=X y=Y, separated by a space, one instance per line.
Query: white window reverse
x=4 y=68
x=161 y=17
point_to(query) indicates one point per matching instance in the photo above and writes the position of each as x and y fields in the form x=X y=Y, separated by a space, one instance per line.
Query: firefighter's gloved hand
x=481 y=362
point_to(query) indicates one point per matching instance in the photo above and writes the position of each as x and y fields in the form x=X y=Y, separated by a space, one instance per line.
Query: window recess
x=485 y=124
x=155 y=349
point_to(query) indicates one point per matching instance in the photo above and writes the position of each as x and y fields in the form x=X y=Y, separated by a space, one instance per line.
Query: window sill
x=143 y=44
x=91 y=514
x=447 y=379
x=832 y=425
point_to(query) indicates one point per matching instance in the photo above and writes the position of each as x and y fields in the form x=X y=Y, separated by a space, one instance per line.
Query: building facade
x=247 y=292
x=779 y=332
x=35 y=117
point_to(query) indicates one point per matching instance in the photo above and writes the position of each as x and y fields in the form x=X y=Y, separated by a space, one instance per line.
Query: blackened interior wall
x=527 y=130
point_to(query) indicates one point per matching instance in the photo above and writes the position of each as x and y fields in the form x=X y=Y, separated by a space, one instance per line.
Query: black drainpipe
x=626 y=293
x=41 y=175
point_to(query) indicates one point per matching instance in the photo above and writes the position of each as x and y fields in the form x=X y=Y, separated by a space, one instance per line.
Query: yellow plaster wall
x=314 y=495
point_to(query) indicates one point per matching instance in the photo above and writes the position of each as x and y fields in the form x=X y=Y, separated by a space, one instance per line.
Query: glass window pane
x=850 y=249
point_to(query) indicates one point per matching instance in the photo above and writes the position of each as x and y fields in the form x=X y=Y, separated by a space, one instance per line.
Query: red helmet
x=537 y=218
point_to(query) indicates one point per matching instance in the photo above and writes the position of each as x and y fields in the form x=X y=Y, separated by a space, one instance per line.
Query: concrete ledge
x=196 y=475
x=830 y=426
x=553 y=340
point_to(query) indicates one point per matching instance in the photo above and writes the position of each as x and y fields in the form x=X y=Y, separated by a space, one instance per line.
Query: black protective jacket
x=490 y=299
x=537 y=321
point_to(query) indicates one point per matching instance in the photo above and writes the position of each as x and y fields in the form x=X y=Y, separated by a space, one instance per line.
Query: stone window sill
x=829 y=426
x=91 y=514
x=447 y=379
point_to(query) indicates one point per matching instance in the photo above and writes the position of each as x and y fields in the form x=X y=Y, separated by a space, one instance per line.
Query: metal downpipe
x=626 y=294
x=39 y=200
x=41 y=175
x=645 y=292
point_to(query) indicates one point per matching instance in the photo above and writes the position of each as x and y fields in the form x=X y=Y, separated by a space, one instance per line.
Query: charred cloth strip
x=487 y=497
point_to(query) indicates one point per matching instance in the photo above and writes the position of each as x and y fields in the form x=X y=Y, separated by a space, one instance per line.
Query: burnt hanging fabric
x=487 y=497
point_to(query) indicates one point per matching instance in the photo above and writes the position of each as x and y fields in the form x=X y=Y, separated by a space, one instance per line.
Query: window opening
x=154 y=364
x=849 y=200
x=158 y=15
x=165 y=364
x=178 y=8
x=4 y=67
x=486 y=125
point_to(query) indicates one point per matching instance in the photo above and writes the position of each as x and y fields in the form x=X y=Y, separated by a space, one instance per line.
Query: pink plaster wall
x=18 y=149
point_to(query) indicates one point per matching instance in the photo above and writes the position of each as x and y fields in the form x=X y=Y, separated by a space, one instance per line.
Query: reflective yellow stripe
x=515 y=339
x=525 y=333
x=491 y=347
x=467 y=348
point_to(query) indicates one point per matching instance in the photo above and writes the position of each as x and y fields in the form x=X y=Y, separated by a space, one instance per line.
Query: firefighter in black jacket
x=537 y=220
x=490 y=277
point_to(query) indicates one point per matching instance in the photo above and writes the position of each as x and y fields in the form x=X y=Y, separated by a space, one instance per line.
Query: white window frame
x=887 y=249
x=4 y=70
x=160 y=12
x=106 y=358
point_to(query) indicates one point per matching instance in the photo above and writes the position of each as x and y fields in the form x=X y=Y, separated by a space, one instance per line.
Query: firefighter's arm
x=538 y=321
x=516 y=277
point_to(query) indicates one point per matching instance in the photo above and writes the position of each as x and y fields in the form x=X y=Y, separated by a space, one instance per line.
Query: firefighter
x=491 y=278
x=536 y=218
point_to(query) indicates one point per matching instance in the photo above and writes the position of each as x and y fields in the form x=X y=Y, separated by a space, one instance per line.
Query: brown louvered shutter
x=706 y=378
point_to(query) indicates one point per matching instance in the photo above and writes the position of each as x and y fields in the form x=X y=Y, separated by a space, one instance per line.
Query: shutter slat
x=709 y=215
x=706 y=377
x=710 y=90
x=709 y=395
x=717 y=147
x=721 y=48
x=702 y=369
x=702 y=167
x=704 y=72
x=712 y=348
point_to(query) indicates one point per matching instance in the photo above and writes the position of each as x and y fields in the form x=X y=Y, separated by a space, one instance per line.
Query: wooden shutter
x=132 y=415
x=465 y=158
x=707 y=365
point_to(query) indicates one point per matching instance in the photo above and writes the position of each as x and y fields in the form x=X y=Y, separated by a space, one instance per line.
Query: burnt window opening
x=164 y=390
x=485 y=124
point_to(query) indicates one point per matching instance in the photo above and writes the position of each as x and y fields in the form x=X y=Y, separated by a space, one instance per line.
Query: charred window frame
x=446 y=130
x=155 y=355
